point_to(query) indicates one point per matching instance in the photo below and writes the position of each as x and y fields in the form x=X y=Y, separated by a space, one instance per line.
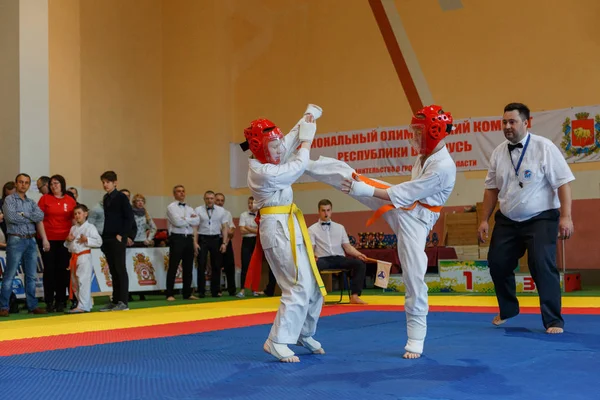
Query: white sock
x=416 y=329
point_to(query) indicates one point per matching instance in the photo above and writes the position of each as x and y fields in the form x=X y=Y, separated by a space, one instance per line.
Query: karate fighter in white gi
x=82 y=238
x=276 y=164
x=410 y=208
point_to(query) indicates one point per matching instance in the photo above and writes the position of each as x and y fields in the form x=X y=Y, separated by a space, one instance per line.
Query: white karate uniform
x=83 y=286
x=301 y=301
x=430 y=184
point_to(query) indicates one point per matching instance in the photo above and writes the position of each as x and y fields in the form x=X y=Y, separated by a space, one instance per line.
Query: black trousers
x=210 y=244
x=510 y=239
x=229 y=268
x=56 y=274
x=181 y=249
x=248 y=244
x=114 y=251
x=356 y=267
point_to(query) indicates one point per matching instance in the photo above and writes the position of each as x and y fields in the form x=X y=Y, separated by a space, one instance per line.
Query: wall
x=121 y=93
x=197 y=108
x=64 y=47
x=9 y=82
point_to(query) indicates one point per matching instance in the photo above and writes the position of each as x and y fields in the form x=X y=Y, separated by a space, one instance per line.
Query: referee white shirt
x=542 y=171
x=211 y=221
x=327 y=238
x=247 y=219
x=180 y=220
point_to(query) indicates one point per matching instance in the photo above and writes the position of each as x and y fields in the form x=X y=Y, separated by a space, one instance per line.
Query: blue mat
x=465 y=358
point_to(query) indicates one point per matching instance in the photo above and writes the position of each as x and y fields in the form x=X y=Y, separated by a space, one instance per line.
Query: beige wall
x=121 y=93
x=9 y=89
x=64 y=47
x=197 y=106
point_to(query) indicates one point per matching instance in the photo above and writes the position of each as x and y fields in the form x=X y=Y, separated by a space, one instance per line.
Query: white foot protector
x=311 y=344
x=416 y=328
x=280 y=351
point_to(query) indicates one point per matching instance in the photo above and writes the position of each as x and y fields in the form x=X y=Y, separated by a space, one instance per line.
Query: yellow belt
x=294 y=210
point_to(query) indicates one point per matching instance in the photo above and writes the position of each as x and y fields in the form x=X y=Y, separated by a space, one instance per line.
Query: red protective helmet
x=258 y=135
x=431 y=124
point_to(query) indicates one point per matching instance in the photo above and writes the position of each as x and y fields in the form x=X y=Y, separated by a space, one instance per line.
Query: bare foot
x=554 y=330
x=319 y=351
x=270 y=348
x=192 y=297
x=170 y=298
x=498 y=321
x=409 y=355
x=354 y=299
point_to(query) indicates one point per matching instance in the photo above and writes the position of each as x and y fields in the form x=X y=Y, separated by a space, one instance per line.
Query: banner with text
x=386 y=151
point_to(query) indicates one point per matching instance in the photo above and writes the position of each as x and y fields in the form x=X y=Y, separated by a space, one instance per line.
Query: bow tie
x=511 y=147
x=253 y=214
x=182 y=204
x=326 y=223
x=210 y=208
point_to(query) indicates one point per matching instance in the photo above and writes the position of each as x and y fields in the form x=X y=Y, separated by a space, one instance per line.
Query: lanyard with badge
x=520 y=160
x=209 y=212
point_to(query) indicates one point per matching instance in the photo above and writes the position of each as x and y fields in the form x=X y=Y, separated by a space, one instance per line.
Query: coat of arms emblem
x=581 y=135
x=144 y=269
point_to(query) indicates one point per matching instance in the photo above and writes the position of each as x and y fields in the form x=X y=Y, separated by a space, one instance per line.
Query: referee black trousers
x=510 y=239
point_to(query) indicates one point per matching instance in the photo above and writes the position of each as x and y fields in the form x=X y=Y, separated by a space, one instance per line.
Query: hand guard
x=307 y=131
x=361 y=189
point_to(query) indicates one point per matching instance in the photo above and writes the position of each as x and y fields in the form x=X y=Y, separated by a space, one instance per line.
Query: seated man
x=331 y=244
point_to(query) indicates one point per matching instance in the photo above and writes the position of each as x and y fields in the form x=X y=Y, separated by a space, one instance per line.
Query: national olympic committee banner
x=146 y=267
x=386 y=151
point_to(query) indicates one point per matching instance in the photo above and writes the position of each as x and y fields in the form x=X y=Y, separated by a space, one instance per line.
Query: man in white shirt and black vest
x=213 y=238
x=248 y=228
x=183 y=228
x=331 y=245
x=529 y=177
x=228 y=258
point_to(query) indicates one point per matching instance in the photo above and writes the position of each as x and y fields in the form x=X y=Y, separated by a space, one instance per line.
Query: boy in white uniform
x=82 y=238
x=410 y=208
x=283 y=235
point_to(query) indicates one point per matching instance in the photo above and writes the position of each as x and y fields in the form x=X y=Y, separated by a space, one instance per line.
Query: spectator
x=146 y=228
x=133 y=234
x=8 y=189
x=213 y=234
x=73 y=193
x=228 y=258
x=96 y=217
x=118 y=221
x=58 y=219
x=42 y=184
x=22 y=214
x=183 y=245
x=248 y=228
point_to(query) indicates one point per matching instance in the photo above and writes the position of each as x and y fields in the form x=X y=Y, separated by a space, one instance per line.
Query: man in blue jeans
x=21 y=214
